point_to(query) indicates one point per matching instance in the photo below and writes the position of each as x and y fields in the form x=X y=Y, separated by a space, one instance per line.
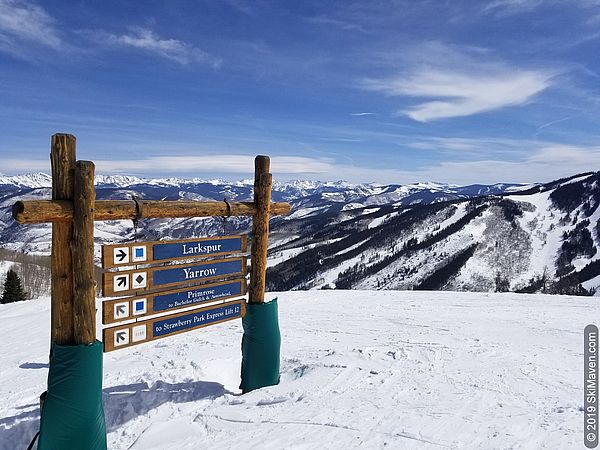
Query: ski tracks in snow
x=401 y=370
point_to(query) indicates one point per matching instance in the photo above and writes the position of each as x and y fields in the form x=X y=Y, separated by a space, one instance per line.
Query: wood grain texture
x=108 y=306
x=108 y=334
x=260 y=230
x=62 y=159
x=82 y=250
x=41 y=211
x=108 y=256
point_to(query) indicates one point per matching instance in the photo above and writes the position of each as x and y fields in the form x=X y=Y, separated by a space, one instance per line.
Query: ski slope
x=362 y=369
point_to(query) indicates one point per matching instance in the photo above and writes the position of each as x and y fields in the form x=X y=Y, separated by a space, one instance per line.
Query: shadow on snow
x=121 y=404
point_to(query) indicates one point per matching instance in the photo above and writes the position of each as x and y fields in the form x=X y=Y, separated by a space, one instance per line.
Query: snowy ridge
x=546 y=238
x=308 y=198
x=375 y=236
x=32 y=180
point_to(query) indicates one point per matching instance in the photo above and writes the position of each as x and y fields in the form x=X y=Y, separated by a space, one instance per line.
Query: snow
x=280 y=256
x=30 y=180
x=545 y=233
x=576 y=179
x=303 y=212
x=410 y=370
x=593 y=284
x=351 y=205
x=380 y=220
x=521 y=187
x=370 y=210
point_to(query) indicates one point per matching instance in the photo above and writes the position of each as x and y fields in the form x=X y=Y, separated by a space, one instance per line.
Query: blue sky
x=367 y=91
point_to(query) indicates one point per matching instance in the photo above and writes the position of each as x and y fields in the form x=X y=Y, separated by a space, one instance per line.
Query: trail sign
x=163 y=251
x=72 y=211
x=130 y=281
x=131 y=334
x=172 y=300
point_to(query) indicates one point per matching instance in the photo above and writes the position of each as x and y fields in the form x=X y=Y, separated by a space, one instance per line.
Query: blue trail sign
x=132 y=281
x=138 y=332
x=120 y=255
x=165 y=301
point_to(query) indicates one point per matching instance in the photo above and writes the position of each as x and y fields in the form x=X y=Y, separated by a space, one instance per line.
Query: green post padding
x=260 y=346
x=72 y=414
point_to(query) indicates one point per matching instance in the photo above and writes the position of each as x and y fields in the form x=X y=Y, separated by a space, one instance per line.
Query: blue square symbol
x=139 y=252
x=139 y=305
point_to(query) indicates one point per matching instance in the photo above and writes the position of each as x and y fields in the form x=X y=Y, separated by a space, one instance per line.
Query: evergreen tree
x=13 y=288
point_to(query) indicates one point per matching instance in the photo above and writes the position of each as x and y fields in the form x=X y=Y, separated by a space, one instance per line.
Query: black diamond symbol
x=139 y=279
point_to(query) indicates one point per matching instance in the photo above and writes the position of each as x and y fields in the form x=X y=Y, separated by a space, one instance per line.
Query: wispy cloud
x=476 y=147
x=23 y=24
x=511 y=7
x=173 y=49
x=506 y=8
x=228 y=164
x=545 y=162
x=337 y=23
x=243 y=6
x=461 y=93
x=362 y=114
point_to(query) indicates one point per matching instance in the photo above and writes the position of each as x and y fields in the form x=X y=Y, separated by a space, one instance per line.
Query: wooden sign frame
x=108 y=283
x=108 y=251
x=121 y=309
x=145 y=328
x=73 y=210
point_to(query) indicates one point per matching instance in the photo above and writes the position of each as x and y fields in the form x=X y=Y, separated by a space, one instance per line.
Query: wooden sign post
x=72 y=212
x=260 y=229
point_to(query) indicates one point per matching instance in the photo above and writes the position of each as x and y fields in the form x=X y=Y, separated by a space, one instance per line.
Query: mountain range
x=501 y=237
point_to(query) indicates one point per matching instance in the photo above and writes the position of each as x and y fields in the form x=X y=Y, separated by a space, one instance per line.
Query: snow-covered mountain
x=541 y=237
x=538 y=238
x=315 y=196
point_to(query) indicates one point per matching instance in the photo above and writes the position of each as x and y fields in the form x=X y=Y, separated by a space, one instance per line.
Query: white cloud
x=222 y=164
x=510 y=7
x=460 y=93
x=173 y=49
x=546 y=162
x=342 y=24
x=22 y=22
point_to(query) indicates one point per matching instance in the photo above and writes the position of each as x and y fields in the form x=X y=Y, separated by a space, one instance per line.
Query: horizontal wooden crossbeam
x=40 y=211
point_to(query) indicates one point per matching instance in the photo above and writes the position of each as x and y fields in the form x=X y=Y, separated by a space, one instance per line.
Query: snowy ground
x=409 y=370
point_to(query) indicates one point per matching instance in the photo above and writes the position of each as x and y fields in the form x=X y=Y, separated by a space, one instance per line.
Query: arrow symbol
x=121 y=309
x=121 y=255
x=121 y=336
x=121 y=281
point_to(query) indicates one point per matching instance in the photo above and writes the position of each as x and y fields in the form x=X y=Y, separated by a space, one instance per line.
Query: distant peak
x=29 y=180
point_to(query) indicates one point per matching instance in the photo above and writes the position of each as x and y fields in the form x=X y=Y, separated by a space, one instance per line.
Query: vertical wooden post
x=62 y=159
x=260 y=229
x=82 y=250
